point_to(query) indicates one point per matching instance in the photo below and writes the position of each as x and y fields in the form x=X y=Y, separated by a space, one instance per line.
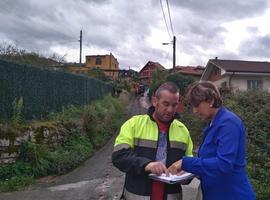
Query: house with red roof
x=195 y=72
x=147 y=71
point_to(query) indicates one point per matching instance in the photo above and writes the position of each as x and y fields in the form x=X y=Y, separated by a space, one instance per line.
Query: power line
x=165 y=19
x=170 y=16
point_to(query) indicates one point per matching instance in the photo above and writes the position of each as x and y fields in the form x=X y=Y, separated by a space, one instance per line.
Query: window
x=254 y=84
x=98 y=61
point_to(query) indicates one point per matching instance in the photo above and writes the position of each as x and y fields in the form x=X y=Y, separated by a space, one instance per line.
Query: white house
x=237 y=74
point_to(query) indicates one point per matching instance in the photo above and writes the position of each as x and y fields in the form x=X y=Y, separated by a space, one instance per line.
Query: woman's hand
x=176 y=167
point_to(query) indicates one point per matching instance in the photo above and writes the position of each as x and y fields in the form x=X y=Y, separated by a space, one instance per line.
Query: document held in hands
x=172 y=179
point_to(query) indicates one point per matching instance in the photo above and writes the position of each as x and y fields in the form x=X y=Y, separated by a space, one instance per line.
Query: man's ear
x=154 y=100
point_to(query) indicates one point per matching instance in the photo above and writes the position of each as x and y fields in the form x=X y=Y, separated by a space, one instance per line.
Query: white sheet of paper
x=172 y=178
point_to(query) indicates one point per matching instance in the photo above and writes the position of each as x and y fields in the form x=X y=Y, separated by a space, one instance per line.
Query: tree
x=159 y=77
x=13 y=53
x=182 y=81
x=58 y=58
x=97 y=73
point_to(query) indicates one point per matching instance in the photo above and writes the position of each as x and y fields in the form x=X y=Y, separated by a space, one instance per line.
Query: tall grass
x=98 y=122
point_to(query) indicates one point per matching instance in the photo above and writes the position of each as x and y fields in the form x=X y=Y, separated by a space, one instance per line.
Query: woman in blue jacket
x=221 y=162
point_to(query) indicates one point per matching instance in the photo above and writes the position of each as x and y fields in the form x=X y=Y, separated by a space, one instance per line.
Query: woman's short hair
x=204 y=91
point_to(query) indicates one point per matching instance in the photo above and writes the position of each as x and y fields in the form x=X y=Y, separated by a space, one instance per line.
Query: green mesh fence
x=44 y=91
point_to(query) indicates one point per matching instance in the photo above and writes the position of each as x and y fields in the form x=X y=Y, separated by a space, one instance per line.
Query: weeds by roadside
x=98 y=121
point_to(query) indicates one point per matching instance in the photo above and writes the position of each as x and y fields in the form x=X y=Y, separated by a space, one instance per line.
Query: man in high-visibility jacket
x=150 y=143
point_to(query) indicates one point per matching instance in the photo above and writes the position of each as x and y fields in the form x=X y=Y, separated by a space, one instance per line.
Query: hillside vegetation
x=87 y=128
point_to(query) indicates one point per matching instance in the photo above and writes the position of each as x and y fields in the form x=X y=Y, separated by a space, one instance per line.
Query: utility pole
x=173 y=42
x=174 y=47
x=80 y=40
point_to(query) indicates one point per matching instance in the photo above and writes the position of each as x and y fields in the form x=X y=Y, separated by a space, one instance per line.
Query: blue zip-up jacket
x=222 y=160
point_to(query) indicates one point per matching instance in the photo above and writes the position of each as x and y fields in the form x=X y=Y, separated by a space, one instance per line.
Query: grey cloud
x=220 y=9
x=38 y=25
x=226 y=55
x=196 y=31
x=97 y=1
x=206 y=30
x=256 y=47
x=123 y=27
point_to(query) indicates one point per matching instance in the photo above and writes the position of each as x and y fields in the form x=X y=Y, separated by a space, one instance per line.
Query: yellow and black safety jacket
x=136 y=146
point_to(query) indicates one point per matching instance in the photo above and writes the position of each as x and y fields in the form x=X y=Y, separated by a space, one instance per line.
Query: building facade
x=107 y=63
x=238 y=75
x=147 y=71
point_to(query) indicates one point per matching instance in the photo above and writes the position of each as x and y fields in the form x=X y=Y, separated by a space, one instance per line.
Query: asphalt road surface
x=96 y=179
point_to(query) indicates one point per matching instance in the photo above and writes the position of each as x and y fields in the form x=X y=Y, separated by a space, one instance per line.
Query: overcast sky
x=133 y=31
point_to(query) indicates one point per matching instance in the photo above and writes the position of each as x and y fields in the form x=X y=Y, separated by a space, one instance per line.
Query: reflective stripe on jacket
x=136 y=146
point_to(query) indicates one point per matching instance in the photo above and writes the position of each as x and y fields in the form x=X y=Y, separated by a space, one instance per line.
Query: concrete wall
x=239 y=82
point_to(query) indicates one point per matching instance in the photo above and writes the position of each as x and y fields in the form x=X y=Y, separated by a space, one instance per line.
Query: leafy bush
x=35 y=160
x=159 y=77
x=17 y=169
x=254 y=108
x=16 y=183
x=77 y=149
x=36 y=155
x=182 y=81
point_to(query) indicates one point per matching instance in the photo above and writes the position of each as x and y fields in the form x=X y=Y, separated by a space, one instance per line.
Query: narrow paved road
x=96 y=179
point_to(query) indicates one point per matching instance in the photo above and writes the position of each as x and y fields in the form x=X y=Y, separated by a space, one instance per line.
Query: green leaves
x=100 y=120
x=254 y=108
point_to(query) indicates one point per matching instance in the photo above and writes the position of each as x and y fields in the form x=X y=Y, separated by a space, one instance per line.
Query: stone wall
x=51 y=134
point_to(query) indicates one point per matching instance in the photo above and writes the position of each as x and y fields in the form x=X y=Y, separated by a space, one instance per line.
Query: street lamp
x=174 y=47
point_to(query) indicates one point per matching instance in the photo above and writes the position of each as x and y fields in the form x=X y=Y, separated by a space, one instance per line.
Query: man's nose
x=171 y=109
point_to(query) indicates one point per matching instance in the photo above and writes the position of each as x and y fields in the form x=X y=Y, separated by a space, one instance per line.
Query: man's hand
x=157 y=168
x=176 y=167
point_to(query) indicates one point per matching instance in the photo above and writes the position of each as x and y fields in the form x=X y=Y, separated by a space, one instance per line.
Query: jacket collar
x=221 y=110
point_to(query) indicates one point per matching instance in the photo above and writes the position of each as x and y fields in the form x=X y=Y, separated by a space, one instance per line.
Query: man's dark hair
x=169 y=86
x=204 y=91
